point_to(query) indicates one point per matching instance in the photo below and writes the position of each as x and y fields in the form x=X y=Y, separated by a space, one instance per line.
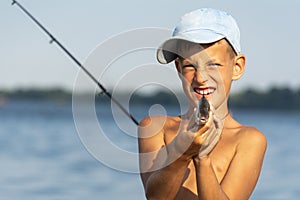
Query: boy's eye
x=188 y=68
x=213 y=64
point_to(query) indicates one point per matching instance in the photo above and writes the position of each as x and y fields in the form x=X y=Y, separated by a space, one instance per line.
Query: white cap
x=203 y=26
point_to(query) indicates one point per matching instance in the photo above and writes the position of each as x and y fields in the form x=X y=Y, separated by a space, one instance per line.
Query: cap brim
x=167 y=52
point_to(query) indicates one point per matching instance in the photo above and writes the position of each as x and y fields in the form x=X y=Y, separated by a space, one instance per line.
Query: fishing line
x=54 y=40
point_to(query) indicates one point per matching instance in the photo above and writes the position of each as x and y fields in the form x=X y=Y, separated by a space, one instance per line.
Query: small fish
x=202 y=112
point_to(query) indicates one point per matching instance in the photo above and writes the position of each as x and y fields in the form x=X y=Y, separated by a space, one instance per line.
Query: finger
x=211 y=134
x=212 y=108
x=218 y=121
x=207 y=136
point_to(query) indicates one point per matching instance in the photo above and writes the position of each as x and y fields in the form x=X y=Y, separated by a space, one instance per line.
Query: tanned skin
x=172 y=168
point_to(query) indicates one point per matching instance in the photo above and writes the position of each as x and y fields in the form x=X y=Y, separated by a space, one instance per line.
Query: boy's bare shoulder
x=160 y=120
x=159 y=124
x=249 y=136
x=152 y=132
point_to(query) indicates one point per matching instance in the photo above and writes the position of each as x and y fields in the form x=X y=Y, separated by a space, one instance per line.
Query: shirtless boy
x=222 y=158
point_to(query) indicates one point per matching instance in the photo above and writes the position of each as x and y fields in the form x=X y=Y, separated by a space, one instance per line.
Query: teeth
x=205 y=92
x=211 y=90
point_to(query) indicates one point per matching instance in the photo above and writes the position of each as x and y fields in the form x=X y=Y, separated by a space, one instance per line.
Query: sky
x=269 y=39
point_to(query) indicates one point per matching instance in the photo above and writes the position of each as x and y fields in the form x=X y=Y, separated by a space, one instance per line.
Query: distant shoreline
x=273 y=98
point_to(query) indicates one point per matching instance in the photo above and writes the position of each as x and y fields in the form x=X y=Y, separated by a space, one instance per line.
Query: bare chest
x=221 y=157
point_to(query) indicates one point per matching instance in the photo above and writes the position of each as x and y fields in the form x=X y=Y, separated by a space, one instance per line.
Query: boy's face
x=209 y=70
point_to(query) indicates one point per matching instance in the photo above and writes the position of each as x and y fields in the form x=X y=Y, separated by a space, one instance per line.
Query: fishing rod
x=54 y=40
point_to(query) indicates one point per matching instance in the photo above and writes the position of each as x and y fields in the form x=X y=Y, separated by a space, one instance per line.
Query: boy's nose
x=200 y=76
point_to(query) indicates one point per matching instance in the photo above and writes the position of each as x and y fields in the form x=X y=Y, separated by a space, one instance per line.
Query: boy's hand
x=213 y=136
x=191 y=137
x=194 y=140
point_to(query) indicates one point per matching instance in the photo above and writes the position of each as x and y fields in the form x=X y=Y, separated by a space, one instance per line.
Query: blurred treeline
x=273 y=98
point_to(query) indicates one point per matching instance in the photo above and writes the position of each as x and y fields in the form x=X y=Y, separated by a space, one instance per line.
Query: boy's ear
x=239 y=67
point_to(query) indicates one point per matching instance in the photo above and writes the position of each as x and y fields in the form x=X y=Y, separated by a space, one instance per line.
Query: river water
x=42 y=155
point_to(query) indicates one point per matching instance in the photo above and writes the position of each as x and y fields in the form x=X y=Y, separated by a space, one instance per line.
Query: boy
x=181 y=158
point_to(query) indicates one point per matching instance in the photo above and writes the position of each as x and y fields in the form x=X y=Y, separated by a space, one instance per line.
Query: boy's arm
x=242 y=175
x=163 y=166
x=161 y=180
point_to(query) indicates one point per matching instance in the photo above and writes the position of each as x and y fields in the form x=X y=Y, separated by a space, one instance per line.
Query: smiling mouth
x=204 y=91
